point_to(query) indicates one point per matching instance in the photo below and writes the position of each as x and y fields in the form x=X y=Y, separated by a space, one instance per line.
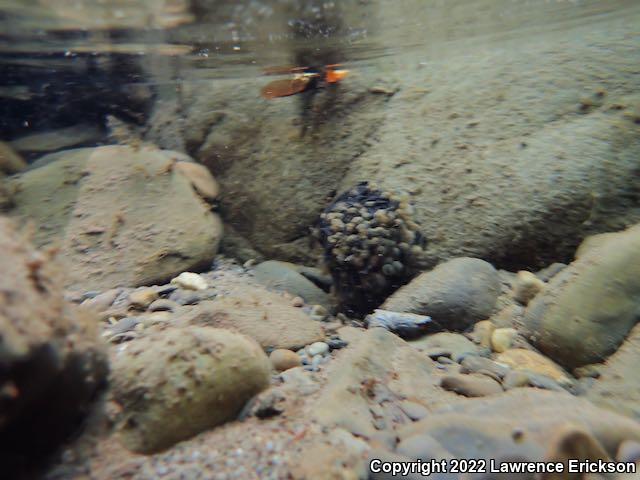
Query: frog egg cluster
x=371 y=245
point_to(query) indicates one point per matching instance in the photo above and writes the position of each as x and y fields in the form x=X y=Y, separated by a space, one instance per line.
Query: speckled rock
x=51 y=361
x=521 y=359
x=376 y=365
x=283 y=276
x=456 y=294
x=123 y=216
x=587 y=309
x=283 y=359
x=179 y=382
x=264 y=316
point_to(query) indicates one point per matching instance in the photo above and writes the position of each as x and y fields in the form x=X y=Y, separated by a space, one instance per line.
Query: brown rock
x=200 y=178
x=51 y=360
x=143 y=298
x=10 y=161
x=283 y=359
x=471 y=385
x=526 y=286
x=122 y=215
x=265 y=316
x=521 y=359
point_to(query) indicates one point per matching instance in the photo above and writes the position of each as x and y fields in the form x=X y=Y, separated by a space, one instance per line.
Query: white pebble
x=190 y=281
x=317 y=348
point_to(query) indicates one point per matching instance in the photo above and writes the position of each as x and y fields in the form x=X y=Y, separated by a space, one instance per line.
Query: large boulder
x=456 y=294
x=51 y=362
x=179 y=382
x=122 y=216
x=511 y=155
x=587 y=310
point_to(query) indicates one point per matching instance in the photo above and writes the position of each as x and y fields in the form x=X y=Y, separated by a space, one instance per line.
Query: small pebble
x=515 y=379
x=317 y=348
x=103 y=301
x=124 y=325
x=526 y=286
x=190 y=281
x=502 y=339
x=414 y=410
x=297 y=302
x=143 y=298
x=629 y=451
x=163 y=304
x=283 y=359
x=482 y=332
x=471 y=385
x=336 y=343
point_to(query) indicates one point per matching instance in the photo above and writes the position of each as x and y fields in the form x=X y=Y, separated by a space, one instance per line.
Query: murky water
x=61 y=53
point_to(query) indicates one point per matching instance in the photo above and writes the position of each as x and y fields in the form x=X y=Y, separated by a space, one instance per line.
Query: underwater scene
x=319 y=239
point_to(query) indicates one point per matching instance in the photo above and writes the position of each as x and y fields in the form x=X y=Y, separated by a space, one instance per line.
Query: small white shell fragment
x=190 y=281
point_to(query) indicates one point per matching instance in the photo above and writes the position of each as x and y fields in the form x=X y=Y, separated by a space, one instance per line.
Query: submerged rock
x=284 y=276
x=264 y=316
x=123 y=216
x=618 y=385
x=51 y=362
x=455 y=294
x=179 y=382
x=495 y=427
x=587 y=309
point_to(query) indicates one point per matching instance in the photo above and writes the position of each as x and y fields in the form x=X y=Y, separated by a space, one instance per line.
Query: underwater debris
x=304 y=78
x=371 y=246
x=405 y=325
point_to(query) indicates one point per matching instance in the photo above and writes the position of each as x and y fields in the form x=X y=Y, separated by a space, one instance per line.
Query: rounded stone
x=143 y=298
x=283 y=359
x=502 y=339
x=471 y=385
x=190 y=281
x=178 y=382
x=526 y=286
x=317 y=348
x=587 y=310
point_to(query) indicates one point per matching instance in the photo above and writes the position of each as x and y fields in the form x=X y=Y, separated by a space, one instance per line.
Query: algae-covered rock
x=587 y=309
x=456 y=294
x=179 y=382
x=51 y=361
x=123 y=216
